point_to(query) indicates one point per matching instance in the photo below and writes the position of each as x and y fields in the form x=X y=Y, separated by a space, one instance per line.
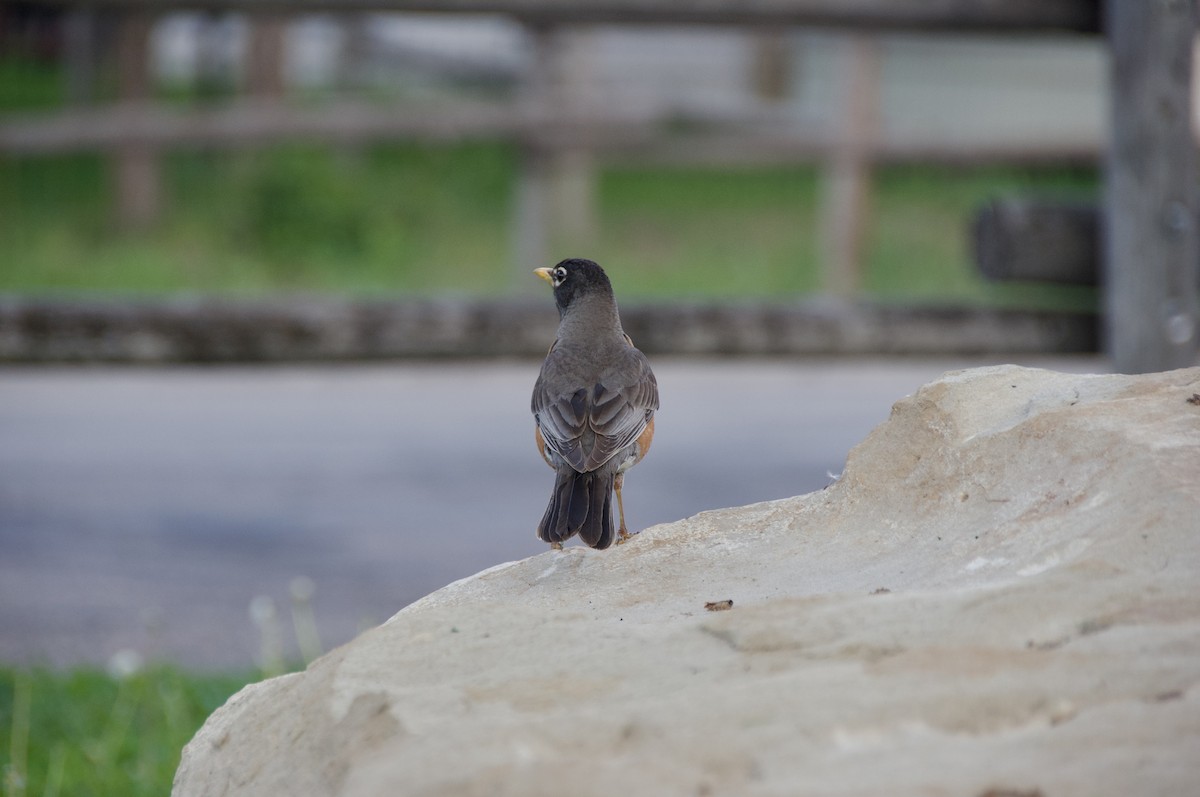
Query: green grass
x=29 y=85
x=384 y=220
x=755 y=232
x=409 y=219
x=84 y=733
x=699 y=233
x=919 y=248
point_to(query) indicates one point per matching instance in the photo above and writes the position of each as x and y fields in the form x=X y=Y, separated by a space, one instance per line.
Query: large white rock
x=1001 y=595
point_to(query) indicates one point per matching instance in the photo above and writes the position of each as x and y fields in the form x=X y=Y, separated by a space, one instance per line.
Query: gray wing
x=587 y=425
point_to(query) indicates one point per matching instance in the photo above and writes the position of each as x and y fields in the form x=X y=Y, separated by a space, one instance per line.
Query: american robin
x=593 y=404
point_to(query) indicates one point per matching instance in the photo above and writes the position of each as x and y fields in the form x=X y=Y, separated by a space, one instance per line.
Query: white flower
x=125 y=663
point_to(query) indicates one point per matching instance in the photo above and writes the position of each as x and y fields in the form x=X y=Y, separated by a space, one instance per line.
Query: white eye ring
x=560 y=274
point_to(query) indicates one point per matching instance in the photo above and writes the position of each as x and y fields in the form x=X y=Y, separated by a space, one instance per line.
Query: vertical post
x=555 y=204
x=264 y=56
x=138 y=181
x=80 y=43
x=354 y=52
x=350 y=77
x=1152 y=250
x=211 y=69
x=530 y=249
x=846 y=202
x=772 y=67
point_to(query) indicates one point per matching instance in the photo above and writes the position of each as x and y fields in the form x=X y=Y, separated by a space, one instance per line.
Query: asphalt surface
x=145 y=509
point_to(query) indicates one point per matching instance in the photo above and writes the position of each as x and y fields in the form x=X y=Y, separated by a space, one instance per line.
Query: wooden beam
x=252 y=122
x=1039 y=241
x=709 y=136
x=988 y=16
x=1152 y=252
x=764 y=148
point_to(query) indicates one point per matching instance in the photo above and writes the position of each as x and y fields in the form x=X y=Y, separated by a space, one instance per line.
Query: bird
x=593 y=408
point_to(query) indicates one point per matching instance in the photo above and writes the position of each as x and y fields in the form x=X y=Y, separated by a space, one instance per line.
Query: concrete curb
x=306 y=329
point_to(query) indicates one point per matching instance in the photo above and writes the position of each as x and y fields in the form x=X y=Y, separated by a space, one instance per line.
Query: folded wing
x=590 y=425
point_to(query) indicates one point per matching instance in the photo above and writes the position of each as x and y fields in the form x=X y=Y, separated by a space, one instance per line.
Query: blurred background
x=269 y=329
x=385 y=155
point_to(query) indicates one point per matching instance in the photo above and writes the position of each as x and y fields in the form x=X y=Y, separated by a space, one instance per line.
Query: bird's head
x=574 y=279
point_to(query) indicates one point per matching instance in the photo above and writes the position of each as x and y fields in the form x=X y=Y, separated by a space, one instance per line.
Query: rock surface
x=998 y=597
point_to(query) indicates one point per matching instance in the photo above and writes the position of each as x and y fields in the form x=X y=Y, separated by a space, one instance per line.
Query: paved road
x=145 y=509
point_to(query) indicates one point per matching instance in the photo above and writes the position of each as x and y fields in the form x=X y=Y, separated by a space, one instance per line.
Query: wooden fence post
x=530 y=249
x=846 y=199
x=556 y=187
x=136 y=163
x=772 y=65
x=264 y=56
x=80 y=47
x=1152 y=251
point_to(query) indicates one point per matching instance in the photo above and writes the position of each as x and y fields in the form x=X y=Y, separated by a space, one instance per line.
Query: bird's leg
x=556 y=546
x=622 y=532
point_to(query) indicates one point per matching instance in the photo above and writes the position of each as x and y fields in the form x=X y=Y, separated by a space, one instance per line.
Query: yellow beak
x=545 y=274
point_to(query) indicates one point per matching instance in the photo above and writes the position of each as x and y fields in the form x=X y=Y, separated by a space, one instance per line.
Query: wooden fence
x=1151 y=253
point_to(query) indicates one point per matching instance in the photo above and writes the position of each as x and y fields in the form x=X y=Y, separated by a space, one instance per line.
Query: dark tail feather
x=577 y=509
x=553 y=527
x=597 y=528
x=580 y=504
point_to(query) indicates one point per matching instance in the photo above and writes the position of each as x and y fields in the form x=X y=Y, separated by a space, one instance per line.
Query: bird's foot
x=556 y=546
x=624 y=536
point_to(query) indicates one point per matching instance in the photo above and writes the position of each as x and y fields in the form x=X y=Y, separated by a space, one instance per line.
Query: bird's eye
x=560 y=274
